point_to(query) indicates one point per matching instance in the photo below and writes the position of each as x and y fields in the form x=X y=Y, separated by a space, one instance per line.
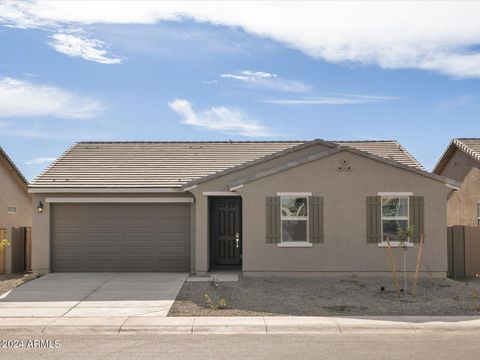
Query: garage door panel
x=102 y=264
x=102 y=224
x=121 y=237
x=71 y=252
x=173 y=251
x=138 y=264
x=171 y=264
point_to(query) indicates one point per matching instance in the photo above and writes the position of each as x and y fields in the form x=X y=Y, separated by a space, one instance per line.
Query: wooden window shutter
x=273 y=219
x=315 y=219
x=374 y=219
x=416 y=217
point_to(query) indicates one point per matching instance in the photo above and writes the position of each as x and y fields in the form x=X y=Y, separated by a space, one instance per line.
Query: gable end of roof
x=323 y=154
x=14 y=168
x=470 y=146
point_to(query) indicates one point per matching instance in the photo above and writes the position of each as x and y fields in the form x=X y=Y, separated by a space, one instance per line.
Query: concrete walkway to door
x=60 y=295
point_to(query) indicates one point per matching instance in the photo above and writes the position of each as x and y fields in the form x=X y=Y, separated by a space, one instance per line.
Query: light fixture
x=40 y=207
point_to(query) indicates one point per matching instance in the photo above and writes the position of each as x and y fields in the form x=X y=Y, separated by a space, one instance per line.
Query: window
x=294 y=218
x=394 y=216
x=12 y=210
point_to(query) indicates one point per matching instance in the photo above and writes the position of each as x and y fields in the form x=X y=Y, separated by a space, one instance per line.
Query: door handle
x=237 y=239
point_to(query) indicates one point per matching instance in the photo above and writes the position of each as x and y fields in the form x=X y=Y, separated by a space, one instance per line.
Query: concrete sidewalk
x=235 y=325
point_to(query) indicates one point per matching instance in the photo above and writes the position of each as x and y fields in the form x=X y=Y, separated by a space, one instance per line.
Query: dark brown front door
x=225 y=232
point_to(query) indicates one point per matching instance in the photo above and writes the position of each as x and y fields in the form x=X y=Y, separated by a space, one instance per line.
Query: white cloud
x=267 y=80
x=40 y=161
x=210 y=82
x=80 y=46
x=219 y=118
x=439 y=36
x=20 y=98
x=341 y=99
x=250 y=76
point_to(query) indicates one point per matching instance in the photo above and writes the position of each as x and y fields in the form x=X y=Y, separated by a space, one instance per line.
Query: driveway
x=94 y=295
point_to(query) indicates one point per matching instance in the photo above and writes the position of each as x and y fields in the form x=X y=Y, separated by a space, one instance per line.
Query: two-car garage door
x=120 y=237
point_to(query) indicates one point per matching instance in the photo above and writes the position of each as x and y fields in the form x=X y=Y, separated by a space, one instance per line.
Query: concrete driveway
x=94 y=295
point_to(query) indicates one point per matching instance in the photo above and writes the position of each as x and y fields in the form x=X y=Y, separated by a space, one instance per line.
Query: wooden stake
x=417 y=268
x=394 y=271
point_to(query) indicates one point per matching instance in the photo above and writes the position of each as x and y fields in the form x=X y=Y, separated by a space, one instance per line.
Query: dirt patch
x=348 y=296
x=11 y=281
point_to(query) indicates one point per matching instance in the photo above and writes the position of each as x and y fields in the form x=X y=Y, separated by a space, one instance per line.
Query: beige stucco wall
x=344 y=248
x=202 y=260
x=462 y=204
x=12 y=194
x=41 y=222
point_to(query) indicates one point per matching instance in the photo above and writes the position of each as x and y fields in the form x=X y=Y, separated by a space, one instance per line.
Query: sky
x=202 y=71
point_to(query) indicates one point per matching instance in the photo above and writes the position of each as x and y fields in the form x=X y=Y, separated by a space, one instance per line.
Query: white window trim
x=295 y=244
x=220 y=193
x=11 y=212
x=301 y=218
x=395 y=244
x=395 y=193
x=407 y=195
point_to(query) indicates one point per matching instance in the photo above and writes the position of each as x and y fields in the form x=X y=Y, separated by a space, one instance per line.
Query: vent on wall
x=12 y=210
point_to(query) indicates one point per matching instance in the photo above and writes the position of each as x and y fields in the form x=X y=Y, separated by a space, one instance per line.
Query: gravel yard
x=328 y=296
x=11 y=281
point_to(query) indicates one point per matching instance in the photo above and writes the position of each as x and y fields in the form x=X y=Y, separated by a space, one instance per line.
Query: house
x=15 y=205
x=291 y=207
x=461 y=162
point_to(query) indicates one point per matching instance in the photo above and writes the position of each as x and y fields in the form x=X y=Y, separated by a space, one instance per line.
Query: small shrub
x=215 y=305
x=4 y=243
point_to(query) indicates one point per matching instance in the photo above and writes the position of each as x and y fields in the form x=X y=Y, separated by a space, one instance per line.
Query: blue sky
x=69 y=72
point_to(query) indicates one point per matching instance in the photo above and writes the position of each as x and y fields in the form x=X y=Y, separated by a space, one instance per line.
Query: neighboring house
x=461 y=162
x=15 y=202
x=314 y=207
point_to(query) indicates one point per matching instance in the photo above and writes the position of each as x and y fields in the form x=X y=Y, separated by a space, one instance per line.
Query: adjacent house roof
x=175 y=164
x=470 y=146
x=12 y=168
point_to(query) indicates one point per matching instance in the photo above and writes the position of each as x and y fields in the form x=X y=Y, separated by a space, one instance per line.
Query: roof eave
x=96 y=189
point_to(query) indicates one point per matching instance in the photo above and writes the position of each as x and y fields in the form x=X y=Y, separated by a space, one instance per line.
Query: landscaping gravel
x=327 y=296
x=11 y=281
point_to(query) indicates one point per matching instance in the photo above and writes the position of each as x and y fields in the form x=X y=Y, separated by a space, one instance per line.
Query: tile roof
x=471 y=146
x=172 y=164
x=388 y=149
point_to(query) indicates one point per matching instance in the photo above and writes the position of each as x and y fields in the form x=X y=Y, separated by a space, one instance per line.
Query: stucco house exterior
x=461 y=162
x=266 y=208
x=15 y=203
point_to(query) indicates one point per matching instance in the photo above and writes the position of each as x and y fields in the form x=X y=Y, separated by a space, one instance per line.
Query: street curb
x=237 y=325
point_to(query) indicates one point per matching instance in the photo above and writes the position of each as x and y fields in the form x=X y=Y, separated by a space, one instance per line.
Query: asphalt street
x=435 y=346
